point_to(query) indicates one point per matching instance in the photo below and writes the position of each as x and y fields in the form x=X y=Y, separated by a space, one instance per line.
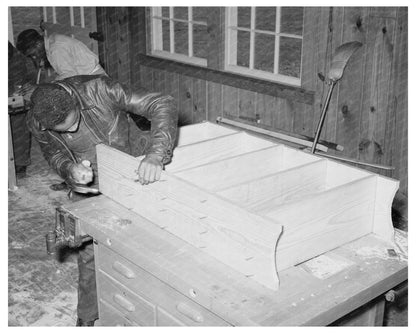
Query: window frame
x=231 y=39
x=156 y=47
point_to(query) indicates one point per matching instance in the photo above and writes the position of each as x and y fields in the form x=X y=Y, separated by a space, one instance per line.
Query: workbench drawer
x=163 y=318
x=134 y=307
x=178 y=306
x=110 y=316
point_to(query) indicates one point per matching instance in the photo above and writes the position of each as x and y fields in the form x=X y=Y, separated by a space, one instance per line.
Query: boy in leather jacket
x=70 y=117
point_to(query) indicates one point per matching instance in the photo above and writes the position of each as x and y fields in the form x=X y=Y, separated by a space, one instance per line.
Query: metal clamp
x=67 y=229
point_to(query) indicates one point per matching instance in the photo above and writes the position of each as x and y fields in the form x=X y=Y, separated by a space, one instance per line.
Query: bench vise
x=67 y=230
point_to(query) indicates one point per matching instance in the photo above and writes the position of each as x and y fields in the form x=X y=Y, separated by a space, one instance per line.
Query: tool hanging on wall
x=341 y=57
x=342 y=54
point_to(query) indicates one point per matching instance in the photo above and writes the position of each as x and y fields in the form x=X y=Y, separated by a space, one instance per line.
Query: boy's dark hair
x=27 y=39
x=51 y=104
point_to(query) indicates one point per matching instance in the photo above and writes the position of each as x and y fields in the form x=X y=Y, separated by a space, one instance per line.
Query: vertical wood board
x=146 y=78
x=159 y=81
x=246 y=106
x=199 y=101
x=185 y=100
x=335 y=27
x=172 y=86
x=350 y=86
x=284 y=116
x=375 y=95
x=398 y=104
x=266 y=108
x=303 y=119
x=214 y=101
x=230 y=101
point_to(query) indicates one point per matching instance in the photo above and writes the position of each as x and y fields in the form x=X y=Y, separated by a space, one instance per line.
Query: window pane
x=180 y=13
x=243 y=47
x=200 y=40
x=289 y=56
x=166 y=35
x=200 y=14
x=77 y=16
x=291 y=20
x=62 y=15
x=243 y=17
x=165 y=11
x=264 y=52
x=181 y=37
x=266 y=18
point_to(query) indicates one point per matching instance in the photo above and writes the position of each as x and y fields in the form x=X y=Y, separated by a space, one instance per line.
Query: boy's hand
x=150 y=169
x=81 y=173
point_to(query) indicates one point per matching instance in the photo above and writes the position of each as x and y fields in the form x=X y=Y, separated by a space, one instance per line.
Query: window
x=180 y=33
x=265 y=42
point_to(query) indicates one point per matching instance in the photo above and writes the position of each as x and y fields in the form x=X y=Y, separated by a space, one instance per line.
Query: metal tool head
x=340 y=59
x=85 y=189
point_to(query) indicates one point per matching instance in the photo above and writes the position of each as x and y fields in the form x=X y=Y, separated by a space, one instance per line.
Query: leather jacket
x=103 y=104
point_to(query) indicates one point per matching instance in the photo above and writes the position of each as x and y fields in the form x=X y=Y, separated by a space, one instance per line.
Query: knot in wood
x=359 y=22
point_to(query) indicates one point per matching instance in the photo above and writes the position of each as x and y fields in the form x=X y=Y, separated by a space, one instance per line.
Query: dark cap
x=27 y=39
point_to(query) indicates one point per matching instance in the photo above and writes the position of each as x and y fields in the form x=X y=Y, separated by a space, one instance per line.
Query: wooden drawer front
x=160 y=294
x=131 y=305
x=110 y=316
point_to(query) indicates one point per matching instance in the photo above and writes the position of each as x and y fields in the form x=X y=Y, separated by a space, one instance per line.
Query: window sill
x=179 y=58
x=230 y=79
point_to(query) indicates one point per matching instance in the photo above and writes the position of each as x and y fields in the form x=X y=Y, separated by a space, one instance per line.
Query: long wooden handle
x=322 y=118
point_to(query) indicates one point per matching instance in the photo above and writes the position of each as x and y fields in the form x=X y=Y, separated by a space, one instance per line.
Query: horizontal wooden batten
x=295 y=94
x=212 y=150
x=217 y=176
x=191 y=134
x=197 y=216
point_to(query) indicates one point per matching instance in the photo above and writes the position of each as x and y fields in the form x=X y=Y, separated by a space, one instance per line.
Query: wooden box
x=255 y=205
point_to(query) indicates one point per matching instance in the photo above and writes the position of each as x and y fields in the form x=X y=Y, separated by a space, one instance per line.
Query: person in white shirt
x=67 y=56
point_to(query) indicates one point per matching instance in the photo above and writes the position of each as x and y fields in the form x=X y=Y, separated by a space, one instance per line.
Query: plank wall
x=368 y=109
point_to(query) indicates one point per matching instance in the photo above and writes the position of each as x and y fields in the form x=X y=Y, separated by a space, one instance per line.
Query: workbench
x=147 y=276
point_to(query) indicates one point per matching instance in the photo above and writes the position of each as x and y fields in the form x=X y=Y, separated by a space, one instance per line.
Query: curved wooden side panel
x=386 y=189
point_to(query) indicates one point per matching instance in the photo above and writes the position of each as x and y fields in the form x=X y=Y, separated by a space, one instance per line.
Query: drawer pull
x=123 y=270
x=125 y=304
x=190 y=312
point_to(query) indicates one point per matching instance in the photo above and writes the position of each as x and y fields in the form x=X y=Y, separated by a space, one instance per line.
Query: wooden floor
x=43 y=288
